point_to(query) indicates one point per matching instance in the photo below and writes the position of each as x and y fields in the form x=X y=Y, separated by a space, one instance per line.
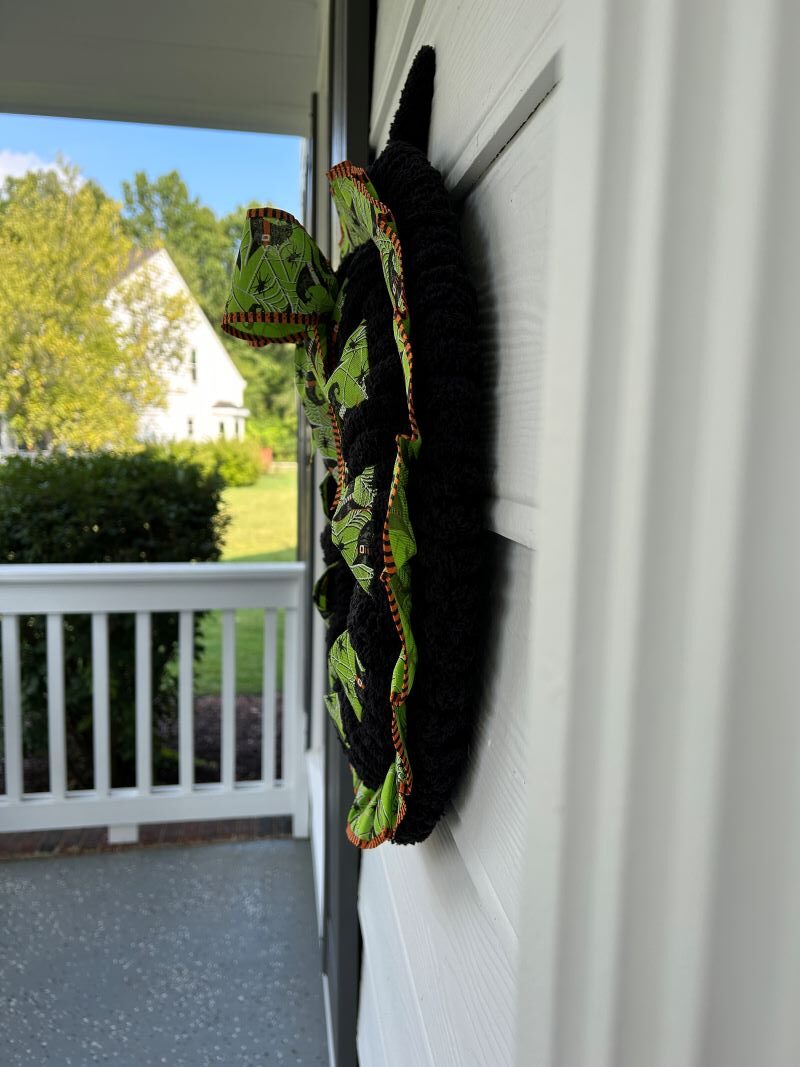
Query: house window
x=190 y=427
x=222 y=429
x=193 y=364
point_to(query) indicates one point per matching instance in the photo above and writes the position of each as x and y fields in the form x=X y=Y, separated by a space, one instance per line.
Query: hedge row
x=236 y=462
x=103 y=508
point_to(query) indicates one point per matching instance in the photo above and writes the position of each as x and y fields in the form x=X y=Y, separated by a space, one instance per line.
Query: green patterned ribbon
x=284 y=290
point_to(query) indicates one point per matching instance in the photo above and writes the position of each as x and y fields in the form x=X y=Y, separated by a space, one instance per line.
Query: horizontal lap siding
x=490 y=56
x=455 y=967
x=487 y=817
x=397 y=23
x=440 y=920
x=505 y=225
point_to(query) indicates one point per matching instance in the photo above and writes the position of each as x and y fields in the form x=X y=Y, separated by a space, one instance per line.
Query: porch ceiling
x=242 y=64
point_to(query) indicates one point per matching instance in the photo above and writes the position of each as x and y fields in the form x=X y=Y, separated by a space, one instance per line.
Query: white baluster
x=293 y=731
x=100 y=704
x=289 y=723
x=144 y=703
x=186 y=700
x=12 y=706
x=228 y=731
x=56 y=735
x=268 y=685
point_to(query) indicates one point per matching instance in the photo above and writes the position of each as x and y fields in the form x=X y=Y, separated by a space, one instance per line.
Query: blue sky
x=223 y=168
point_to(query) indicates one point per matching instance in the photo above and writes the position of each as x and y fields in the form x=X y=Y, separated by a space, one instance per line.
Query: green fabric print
x=284 y=290
x=333 y=708
x=357 y=213
x=346 y=386
x=316 y=353
x=402 y=766
x=349 y=522
x=346 y=667
x=315 y=403
x=392 y=270
x=338 y=304
x=401 y=537
x=375 y=813
x=327 y=493
x=320 y=592
x=279 y=269
x=404 y=547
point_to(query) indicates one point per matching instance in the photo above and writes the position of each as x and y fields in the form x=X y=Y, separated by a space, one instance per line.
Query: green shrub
x=105 y=508
x=236 y=462
x=276 y=432
x=239 y=462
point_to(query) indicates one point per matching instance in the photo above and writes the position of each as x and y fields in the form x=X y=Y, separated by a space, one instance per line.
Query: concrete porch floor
x=185 y=956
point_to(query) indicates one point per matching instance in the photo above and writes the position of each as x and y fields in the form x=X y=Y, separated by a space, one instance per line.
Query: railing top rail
x=101 y=573
x=44 y=588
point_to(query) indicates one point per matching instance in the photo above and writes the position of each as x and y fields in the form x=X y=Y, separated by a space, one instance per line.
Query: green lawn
x=263 y=529
x=264 y=520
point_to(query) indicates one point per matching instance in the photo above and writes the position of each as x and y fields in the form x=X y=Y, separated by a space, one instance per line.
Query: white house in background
x=205 y=393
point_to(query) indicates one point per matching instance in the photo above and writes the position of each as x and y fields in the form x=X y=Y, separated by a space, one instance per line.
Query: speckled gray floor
x=177 y=956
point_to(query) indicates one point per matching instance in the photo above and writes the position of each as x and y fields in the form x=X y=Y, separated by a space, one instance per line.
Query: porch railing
x=141 y=589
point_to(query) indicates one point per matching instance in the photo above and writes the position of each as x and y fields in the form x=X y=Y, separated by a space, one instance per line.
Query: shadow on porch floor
x=185 y=956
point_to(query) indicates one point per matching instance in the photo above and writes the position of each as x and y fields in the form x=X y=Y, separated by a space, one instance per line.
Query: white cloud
x=15 y=164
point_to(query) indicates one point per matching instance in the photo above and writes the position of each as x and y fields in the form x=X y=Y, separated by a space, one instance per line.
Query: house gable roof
x=138 y=259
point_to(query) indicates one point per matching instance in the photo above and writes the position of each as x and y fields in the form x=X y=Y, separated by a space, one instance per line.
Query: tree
x=74 y=373
x=270 y=396
x=201 y=245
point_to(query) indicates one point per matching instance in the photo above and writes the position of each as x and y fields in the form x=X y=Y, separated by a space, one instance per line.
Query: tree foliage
x=270 y=396
x=202 y=245
x=74 y=372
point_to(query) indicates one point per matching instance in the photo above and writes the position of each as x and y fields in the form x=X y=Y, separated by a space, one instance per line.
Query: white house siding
x=441 y=920
x=211 y=406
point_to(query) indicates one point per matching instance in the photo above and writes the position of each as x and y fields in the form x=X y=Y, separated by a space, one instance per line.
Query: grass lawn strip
x=263 y=529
